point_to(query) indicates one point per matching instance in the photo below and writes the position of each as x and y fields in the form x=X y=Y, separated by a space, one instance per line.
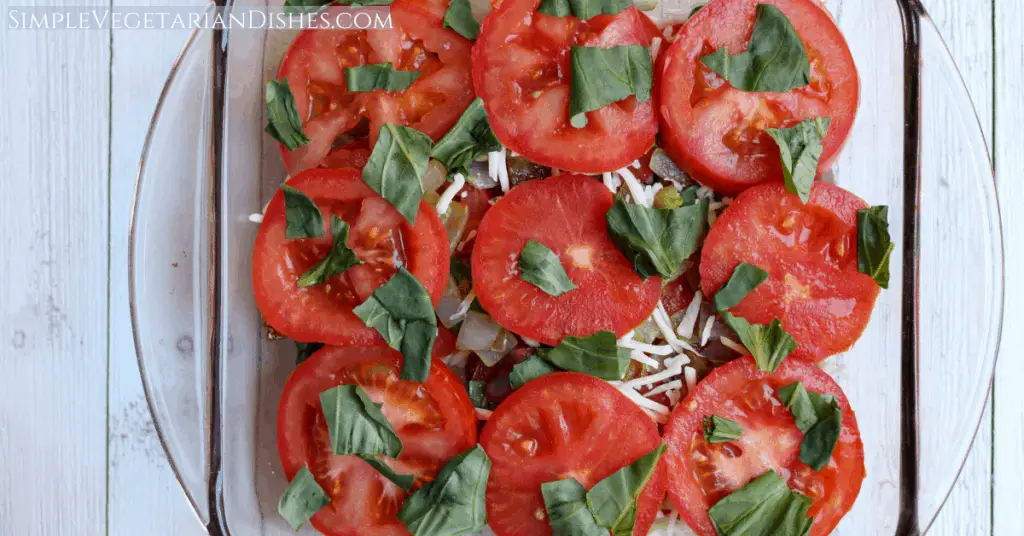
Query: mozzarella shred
x=689 y=320
x=449 y=194
x=636 y=190
x=706 y=333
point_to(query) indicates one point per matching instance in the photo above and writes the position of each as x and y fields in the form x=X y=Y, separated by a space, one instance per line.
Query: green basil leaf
x=721 y=430
x=798 y=401
x=304 y=350
x=356 y=424
x=657 y=241
x=396 y=167
x=820 y=441
x=775 y=59
x=338 y=259
x=874 y=247
x=555 y=8
x=302 y=499
x=469 y=138
x=403 y=481
x=542 y=267
x=613 y=499
x=378 y=76
x=531 y=369
x=303 y=218
x=453 y=503
x=478 y=394
x=800 y=149
x=459 y=17
x=283 y=121
x=597 y=355
x=601 y=76
x=764 y=507
x=297 y=7
x=768 y=344
x=669 y=198
x=568 y=514
x=582 y=9
x=745 y=278
x=402 y=312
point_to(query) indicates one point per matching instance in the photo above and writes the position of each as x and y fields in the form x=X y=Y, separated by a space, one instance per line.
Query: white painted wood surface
x=59 y=338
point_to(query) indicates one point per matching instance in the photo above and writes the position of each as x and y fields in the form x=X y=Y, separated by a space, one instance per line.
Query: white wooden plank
x=1008 y=481
x=53 y=295
x=967 y=29
x=144 y=496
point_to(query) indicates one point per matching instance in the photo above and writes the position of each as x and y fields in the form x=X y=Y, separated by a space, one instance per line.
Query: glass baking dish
x=918 y=378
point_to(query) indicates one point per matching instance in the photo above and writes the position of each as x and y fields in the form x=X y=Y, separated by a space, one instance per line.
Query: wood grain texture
x=53 y=293
x=144 y=495
x=1008 y=474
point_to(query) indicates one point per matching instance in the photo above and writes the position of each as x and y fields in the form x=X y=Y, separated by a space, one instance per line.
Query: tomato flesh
x=521 y=70
x=433 y=419
x=702 y=473
x=566 y=213
x=331 y=115
x=810 y=253
x=715 y=132
x=381 y=238
x=559 y=426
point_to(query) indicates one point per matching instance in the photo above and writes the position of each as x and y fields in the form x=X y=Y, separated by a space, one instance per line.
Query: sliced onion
x=505 y=343
x=434 y=177
x=447 y=308
x=478 y=176
x=478 y=332
x=664 y=167
x=455 y=223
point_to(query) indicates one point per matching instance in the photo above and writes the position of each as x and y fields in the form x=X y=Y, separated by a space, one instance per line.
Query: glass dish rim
x=912 y=13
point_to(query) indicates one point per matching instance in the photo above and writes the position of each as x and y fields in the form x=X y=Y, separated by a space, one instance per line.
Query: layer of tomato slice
x=333 y=117
x=714 y=131
x=566 y=213
x=702 y=473
x=521 y=70
x=381 y=238
x=433 y=419
x=810 y=254
x=563 y=425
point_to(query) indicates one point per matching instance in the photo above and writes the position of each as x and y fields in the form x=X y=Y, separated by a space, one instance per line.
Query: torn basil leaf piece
x=657 y=241
x=338 y=259
x=378 y=76
x=768 y=344
x=800 y=149
x=601 y=76
x=283 y=121
x=453 y=503
x=764 y=506
x=402 y=312
x=874 y=246
x=459 y=17
x=403 y=481
x=775 y=59
x=565 y=502
x=305 y=350
x=542 y=267
x=613 y=499
x=721 y=430
x=356 y=424
x=302 y=217
x=744 y=279
x=469 y=138
x=819 y=417
x=582 y=9
x=396 y=167
x=598 y=355
x=302 y=499
x=534 y=367
x=478 y=394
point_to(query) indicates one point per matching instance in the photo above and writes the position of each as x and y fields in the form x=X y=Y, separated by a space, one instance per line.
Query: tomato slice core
x=433 y=419
x=566 y=213
x=560 y=426
x=379 y=235
x=810 y=253
x=702 y=473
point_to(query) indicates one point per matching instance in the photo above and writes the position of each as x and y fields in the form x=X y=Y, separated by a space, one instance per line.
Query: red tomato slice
x=478 y=202
x=810 y=253
x=434 y=420
x=566 y=214
x=676 y=295
x=650 y=27
x=702 y=473
x=315 y=68
x=521 y=71
x=380 y=236
x=715 y=132
x=559 y=426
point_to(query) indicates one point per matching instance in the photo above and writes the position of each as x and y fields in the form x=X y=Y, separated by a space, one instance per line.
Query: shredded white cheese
x=482 y=414
x=689 y=320
x=690 y=375
x=655 y=48
x=636 y=190
x=636 y=163
x=665 y=325
x=733 y=345
x=706 y=333
x=681 y=359
x=656 y=349
x=651 y=190
x=651 y=379
x=667 y=386
x=497 y=168
x=464 y=305
x=644 y=402
x=256 y=218
x=449 y=194
x=641 y=357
